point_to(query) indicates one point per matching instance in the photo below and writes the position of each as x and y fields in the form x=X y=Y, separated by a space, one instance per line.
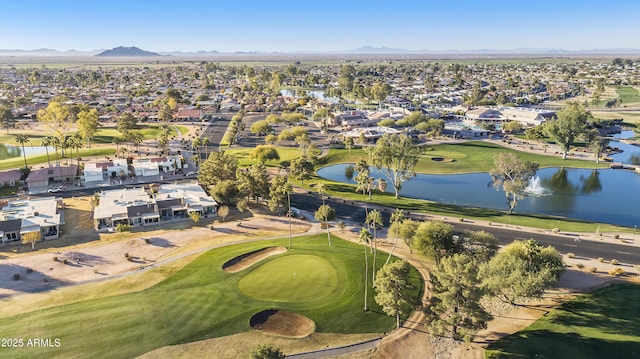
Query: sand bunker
x=283 y=323
x=246 y=260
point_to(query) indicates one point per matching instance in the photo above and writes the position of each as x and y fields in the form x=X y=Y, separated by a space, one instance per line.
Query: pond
x=630 y=154
x=606 y=195
x=11 y=151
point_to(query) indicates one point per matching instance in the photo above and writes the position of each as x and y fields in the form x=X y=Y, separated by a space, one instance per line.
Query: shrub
x=126 y=255
x=341 y=225
x=600 y=259
x=617 y=236
x=580 y=265
x=16 y=276
x=614 y=262
x=556 y=230
x=29 y=270
x=55 y=259
x=65 y=261
x=570 y=255
x=147 y=240
x=616 y=272
x=592 y=269
x=123 y=228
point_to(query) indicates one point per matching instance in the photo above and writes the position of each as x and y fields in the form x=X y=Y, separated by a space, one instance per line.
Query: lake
x=605 y=195
x=11 y=151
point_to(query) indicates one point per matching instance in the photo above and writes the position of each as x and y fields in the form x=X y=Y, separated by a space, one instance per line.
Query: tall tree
x=301 y=168
x=363 y=177
x=523 y=269
x=58 y=117
x=365 y=237
x=480 y=245
x=396 y=156
x=279 y=192
x=570 y=123
x=393 y=290
x=6 y=117
x=22 y=139
x=325 y=214
x=397 y=217
x=321 y=188
x=88 y=125
x=597 y=143
x=406 y=231
x=435 y=239
x=348 y=144
x=512 y=175
x=265 y=153
x=46 y=142
x=373 y=220
x=454 y=309
x=220 y=166
x=31 y=237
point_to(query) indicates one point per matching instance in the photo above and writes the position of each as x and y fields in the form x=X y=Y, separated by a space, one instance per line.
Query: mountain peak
x=122 y=51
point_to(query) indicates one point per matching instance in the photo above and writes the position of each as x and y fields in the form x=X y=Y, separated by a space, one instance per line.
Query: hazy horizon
x=328 y=26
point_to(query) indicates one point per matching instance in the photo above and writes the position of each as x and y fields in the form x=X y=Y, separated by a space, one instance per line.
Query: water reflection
x=604 y=195
x=8 y=151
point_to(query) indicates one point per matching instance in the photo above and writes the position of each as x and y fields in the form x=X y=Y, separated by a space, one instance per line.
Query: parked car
x=55 y=189
x=189 y=174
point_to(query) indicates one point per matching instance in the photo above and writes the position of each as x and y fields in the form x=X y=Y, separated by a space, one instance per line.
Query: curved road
x=564 y=243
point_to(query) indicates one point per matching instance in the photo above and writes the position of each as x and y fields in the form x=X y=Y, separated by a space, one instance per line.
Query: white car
x=55 y=189
x=189 y=174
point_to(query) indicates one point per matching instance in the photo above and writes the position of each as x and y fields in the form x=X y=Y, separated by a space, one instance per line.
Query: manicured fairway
x=294 y=278
x=203 y=301
x=603 y=324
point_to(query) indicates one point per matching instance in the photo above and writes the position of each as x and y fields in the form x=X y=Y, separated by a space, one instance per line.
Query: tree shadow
x=160 y=242
x=24 y=279
x=85 y=259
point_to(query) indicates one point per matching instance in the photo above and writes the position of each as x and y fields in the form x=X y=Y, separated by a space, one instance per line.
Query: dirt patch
x=248 y=259
x=282 y=323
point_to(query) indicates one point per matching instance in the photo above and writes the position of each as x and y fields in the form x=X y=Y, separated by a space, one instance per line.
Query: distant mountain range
x=122 y=51
x=133 y=51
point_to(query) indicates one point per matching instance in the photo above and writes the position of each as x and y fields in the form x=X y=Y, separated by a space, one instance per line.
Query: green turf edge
x=199 y=302
x=602 y=324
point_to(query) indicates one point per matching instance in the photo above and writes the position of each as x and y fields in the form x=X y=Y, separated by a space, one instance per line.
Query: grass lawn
x=466 y=157
x=201 y=301
x=107 y=134
x=38 y=161
x=628 y=94
x=602 y=324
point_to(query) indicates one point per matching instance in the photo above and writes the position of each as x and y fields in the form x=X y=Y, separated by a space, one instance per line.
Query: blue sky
x=287 y=26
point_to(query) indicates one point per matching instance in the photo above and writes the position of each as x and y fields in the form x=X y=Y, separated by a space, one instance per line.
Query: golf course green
x=202 y=301
x=294 y=278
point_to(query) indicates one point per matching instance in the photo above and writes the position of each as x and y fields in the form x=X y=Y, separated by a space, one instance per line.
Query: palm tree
x=374 y=219
x=321 y=187
x=117 y=141
x=22 y=139
x=397 y=217
x=365 y=237
x=55 y=142
x=46 y=142
x=195 y=145
x=324 y=214
x=205 y=143
x=76 y=142
x=136 y=139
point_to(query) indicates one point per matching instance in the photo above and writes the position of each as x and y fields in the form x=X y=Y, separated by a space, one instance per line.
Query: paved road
x=216 y=129
x=355 y=212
